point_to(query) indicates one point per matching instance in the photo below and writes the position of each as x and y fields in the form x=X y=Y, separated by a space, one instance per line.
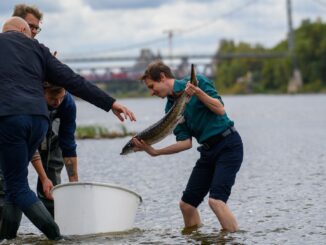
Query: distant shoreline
x=100 y=132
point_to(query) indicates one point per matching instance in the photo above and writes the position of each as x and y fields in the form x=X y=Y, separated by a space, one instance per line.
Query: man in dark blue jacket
x=33 y=16
x=24 y=118
x=59 y=146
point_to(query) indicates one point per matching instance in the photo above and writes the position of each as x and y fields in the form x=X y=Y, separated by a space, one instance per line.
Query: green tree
x=272 y=75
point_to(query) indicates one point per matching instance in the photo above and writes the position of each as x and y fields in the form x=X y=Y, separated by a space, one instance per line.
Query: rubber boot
x=11 y=217
x=42 y=219
x=49 y=204
x=2 y=193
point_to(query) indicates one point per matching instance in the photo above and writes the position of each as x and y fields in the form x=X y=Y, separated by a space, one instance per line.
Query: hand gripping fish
x=159 y=130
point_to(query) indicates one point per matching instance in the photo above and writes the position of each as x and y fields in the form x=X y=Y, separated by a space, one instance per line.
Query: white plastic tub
x=89 y=208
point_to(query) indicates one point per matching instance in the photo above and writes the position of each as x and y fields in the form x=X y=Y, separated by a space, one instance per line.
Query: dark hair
x=52 y=89
x=154 y=71
x=21 y=10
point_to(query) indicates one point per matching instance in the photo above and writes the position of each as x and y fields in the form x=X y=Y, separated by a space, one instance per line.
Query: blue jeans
x=20 y=135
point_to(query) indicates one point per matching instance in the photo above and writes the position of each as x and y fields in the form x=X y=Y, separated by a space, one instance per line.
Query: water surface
x=279 y=195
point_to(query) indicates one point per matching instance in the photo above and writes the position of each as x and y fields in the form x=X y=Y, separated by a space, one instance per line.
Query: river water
x=279 y=195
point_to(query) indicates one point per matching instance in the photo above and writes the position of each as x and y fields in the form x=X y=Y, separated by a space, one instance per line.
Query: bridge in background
x=130 y=68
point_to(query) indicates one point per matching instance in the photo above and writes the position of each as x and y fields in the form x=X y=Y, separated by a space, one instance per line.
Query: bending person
x=58 y=148
x=221 y=150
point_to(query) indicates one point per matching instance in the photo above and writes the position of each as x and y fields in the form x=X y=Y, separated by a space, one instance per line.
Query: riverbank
x=100 y=132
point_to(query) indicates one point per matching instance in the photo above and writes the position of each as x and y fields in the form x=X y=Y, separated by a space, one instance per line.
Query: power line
x=135 y=45
x=232 y=12
x=185 y=31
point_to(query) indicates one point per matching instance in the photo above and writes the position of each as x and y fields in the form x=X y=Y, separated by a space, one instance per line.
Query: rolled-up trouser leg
x=11 y=217
x=42 y=219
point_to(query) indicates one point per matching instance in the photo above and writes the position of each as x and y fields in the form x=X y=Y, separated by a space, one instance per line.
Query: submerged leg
x=190 y=214
x=224 y=215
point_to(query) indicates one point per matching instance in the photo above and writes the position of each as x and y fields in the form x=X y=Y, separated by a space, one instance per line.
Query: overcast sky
x=121 y=27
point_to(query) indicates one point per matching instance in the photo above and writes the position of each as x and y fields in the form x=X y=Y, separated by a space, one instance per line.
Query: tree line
x=253 y=75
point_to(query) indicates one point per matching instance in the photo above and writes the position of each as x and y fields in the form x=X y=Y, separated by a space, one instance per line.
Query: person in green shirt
x=221 y=148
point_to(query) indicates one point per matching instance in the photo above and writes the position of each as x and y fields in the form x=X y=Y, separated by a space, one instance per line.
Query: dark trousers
x=215 y=171
x=20 y=135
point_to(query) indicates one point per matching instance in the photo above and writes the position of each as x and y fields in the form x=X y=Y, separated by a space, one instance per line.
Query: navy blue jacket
x=66 y=112
x=24 y=65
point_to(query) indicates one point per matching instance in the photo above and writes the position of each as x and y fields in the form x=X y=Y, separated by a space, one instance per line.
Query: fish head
x=128 y=148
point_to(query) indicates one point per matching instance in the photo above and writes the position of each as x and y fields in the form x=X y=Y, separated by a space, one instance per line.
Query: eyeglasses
x=35 y=27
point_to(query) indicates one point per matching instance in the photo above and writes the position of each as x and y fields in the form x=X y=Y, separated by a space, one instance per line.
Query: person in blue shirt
x=221 y=149
x=24 y=117
x=59 y=146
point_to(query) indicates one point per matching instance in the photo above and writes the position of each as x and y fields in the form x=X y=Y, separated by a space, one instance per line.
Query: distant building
x=146 y=57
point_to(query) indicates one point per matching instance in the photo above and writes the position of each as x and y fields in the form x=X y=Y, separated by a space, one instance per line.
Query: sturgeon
x=159 y=130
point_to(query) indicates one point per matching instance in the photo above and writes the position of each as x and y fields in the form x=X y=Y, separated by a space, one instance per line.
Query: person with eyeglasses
x=31 y=14
x=52 y=161
x=59 y=146
x=24 y=118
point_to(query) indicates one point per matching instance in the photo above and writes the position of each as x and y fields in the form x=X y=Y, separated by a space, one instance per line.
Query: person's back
x=23 y=122
x=21 y=75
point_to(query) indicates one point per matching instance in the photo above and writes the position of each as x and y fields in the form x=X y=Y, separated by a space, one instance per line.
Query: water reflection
x=218 y=237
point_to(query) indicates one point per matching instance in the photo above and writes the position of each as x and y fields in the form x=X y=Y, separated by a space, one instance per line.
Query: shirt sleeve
x=67 y=127
x=182 y=132
x=61 y=75
x=208 y=87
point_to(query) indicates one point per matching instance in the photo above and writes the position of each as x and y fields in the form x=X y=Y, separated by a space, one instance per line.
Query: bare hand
x=119 y=109
x=143 y=146
x=47 y=187
x=191 y=89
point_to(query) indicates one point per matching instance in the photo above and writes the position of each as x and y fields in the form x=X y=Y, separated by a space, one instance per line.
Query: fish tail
x=193 y=78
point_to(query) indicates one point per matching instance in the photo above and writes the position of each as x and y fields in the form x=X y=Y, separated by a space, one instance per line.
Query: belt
x=211 y=141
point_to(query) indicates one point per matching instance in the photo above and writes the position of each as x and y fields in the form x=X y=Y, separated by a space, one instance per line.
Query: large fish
x=167 y=124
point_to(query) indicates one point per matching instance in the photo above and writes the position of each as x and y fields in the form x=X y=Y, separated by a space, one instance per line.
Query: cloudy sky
x=123 y=27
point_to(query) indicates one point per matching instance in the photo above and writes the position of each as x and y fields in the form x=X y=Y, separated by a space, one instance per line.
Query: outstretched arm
x=171 y=149
x=119 y=109
x=61 y=75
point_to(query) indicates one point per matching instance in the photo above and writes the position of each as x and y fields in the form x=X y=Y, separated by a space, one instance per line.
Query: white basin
x=87 y=208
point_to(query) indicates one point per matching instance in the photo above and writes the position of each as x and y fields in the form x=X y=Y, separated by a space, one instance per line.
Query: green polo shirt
x=200 y=122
